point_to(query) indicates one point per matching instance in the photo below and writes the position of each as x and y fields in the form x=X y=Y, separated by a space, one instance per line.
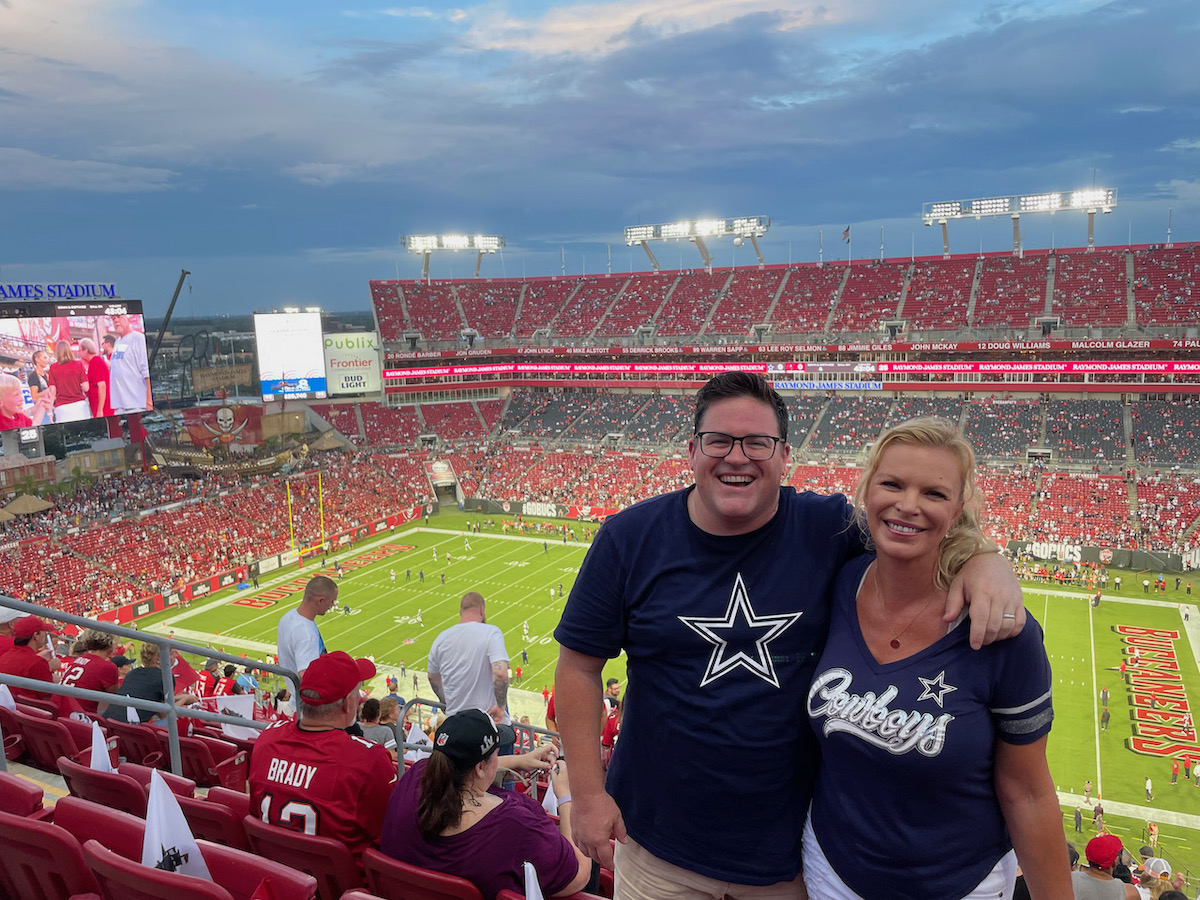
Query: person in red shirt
x=31 y=655
x=12 y=404
x=207 y=682
x=310 y=775
x=99 y=391
x=93 y=668
x=227 y=683
x=8 y=618
x=69 y=384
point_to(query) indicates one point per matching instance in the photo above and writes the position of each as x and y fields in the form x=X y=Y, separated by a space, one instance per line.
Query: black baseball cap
x=470 y=737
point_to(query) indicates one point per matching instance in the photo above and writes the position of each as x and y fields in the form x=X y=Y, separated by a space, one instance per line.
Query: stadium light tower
x=696 y=231
x=1092 y=200
x=425 y=244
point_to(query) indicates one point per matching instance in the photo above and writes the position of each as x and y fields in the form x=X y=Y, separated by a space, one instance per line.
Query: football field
x=395 y=615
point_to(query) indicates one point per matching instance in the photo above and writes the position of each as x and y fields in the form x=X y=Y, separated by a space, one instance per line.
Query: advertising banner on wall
x=352 y=363
x=211 y=378
x=290 y=361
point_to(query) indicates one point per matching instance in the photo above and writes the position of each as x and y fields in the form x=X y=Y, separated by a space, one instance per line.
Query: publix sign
x=352 y=363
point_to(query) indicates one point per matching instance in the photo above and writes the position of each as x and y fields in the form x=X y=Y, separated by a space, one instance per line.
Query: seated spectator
x=124 y=666
x=310 y=775
x=1096 y=878
x=283 y=703
x=373 y=729
x=8 y=619
x=92 y=668
x=146 y=683
x=447 y=814
x=31 y=655
x=207 y=684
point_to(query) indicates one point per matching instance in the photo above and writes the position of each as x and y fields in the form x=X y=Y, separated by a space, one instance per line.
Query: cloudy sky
x=278 y=150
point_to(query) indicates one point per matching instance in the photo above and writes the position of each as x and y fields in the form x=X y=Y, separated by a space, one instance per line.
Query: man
x=1104 y=696
x=99 y=392
x=1105 y=718
x=206 y=680
x=468 y=665
x=1149 y=788
x=93 y=669
x=107 y=343
x=612 y=694
x=8 y=618
x=720 y=596
x=1079 y=818
x=299 y=639
x=313 y=777
x=31 y=656
x=129 y=373
x=1102 y=853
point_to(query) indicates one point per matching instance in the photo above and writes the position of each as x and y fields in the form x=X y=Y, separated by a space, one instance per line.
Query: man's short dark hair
x=611 y=682
x=729 y=385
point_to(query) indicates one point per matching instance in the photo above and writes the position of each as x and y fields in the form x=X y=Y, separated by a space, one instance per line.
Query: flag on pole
x=132 y=717
x=846 y=234
x=550 y=801
x=100 y=761
x=533 y=890
x=185 y=675
x=169 y=843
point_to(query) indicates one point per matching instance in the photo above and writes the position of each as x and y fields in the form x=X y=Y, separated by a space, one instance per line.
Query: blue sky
x=278 y=150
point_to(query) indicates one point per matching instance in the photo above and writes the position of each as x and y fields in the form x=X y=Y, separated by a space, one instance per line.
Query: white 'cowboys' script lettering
x=723 y=660
x=867 y=716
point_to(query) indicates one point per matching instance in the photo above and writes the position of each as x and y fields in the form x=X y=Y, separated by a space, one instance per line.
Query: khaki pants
x=641 y=875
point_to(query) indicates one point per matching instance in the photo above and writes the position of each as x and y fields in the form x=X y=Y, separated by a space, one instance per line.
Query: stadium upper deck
x=1108 y=291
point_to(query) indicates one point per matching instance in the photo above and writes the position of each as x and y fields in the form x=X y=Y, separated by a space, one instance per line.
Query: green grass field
x=516 y=574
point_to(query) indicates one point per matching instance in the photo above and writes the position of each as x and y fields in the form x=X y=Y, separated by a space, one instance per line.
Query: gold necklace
x=894 y=643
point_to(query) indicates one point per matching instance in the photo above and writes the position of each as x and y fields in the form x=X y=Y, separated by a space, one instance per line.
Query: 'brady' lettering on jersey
x=868 y=717
x=281 y=771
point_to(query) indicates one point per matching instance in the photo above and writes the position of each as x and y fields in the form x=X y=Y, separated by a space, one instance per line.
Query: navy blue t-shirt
x=908 y=752
x=716 y=760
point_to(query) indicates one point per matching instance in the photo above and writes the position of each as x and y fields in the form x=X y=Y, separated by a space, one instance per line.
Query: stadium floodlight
x=741 y=229
x=426 y=244
x=1089 y=200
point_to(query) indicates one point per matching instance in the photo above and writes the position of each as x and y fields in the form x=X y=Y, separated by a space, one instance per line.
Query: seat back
x=238 y=801
x=121 y=832
x=46 y=740
x=138 y=743
x=14 y=743
x=214 y=822
x=396 y=880
x=109 y=789
x=130 y=880
x=324 y=858
x=41 y=860
x=240 y=873
x=208 y=761
x=18 y=796
x=360 y=895
x=180 y=786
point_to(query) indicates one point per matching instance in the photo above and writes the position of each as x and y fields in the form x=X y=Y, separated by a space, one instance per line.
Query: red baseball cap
x=331 y=677
x=29 y=626
x=1102 y=851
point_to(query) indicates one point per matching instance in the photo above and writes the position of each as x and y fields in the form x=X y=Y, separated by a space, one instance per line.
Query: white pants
x=73 y=412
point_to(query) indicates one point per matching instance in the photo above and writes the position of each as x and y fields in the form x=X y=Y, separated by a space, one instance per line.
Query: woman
x=932 y=754
x=69 y=384
x=146 y=683
x=446 y=814
x=39 y=385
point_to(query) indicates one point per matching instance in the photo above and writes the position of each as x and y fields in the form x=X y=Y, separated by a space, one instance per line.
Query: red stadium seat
x=241 y=873
x=21 y=798
x=129 y=880
x=120 y=832
x=38 y=859
x=358 y=894
x=324 y=858
x=209 y=762
x=214 y=822
x=180 y=786
x=578 y=895
x=48 y=739
x=14 y=741
x=238 y=801
x=109 y=789
x=395 y=880
x=138 y=743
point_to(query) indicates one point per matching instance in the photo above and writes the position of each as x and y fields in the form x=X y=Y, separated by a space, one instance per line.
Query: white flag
x=6 y=698
x=132 y=717
x=550 y=801
x=533 y=890
x=100 y=761
x=234 y=705
x=416 y=736
x=169 y=843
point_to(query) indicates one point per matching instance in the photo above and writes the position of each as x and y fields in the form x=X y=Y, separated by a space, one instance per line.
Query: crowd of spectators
x=1011 y=292
x=1090 y=288
x=1086 y=430
x=1003 y=427
x=1166 y=434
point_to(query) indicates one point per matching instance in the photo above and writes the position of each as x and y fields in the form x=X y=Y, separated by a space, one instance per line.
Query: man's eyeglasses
x=719 y=445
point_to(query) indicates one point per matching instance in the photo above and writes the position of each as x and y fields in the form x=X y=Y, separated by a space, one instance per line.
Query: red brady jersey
x=93 y=673
x=321 y=782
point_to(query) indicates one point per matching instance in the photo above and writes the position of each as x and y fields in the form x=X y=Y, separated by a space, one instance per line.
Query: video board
x=291 y=356
x=71 y=361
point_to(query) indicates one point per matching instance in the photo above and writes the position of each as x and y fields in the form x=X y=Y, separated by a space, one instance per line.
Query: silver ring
x=1009 y=616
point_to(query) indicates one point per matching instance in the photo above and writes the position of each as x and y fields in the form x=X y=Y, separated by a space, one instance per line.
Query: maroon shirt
x=68 y=378
x=97 y=374
x=92 y=673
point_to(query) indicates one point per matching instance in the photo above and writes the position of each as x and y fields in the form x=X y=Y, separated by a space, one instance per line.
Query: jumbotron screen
x=71 y=361
x=291 y=356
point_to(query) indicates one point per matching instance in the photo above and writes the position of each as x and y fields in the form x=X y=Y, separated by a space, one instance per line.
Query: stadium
x=519 y=360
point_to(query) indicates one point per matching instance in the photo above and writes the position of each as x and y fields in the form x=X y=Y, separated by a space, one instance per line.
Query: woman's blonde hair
x=965 y=538
x=149 y=654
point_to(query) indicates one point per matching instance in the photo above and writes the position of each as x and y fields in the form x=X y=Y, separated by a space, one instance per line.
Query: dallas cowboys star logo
x=738 y=618
x=935 y=688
